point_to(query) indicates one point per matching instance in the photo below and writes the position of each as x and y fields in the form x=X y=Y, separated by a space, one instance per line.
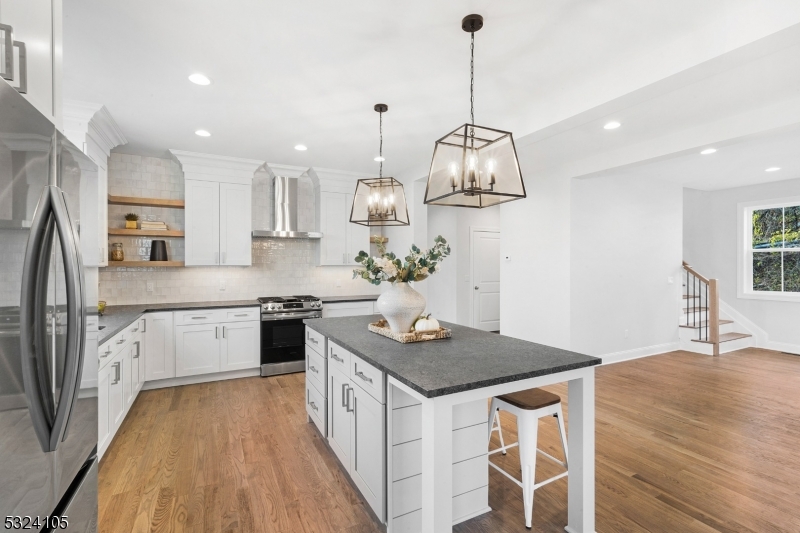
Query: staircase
x=702 y=328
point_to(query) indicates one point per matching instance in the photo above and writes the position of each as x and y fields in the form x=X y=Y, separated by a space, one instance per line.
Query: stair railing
x=701 y=293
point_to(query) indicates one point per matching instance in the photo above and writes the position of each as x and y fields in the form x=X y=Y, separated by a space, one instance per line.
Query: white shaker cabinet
x=116 y=394
x=104 y=421
x=240 y=347
x=37 y=25
x=235 y=224
x=218 y=208
x=341 y=239
x=197 y=349
x=339 y=418
x=159 y=346
x=202 y=223
x=368 y=435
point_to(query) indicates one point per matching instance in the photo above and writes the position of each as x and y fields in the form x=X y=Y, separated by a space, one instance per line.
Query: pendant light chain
x=472 y=81
x=380 y=150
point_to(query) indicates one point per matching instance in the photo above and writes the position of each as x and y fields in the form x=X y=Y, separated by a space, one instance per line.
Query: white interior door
x=235 y=224
x=485 y=252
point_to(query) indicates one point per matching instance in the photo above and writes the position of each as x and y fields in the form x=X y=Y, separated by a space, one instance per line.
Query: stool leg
x=495 y=417
x=528 y=428
x=562 y=431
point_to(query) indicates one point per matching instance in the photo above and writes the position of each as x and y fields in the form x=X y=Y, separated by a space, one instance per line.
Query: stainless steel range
x=283 y=332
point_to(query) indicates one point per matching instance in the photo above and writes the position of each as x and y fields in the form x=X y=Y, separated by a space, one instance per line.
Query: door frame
x=472 y=231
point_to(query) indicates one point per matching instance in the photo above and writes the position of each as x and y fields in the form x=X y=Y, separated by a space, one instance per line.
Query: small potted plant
x=131 y=220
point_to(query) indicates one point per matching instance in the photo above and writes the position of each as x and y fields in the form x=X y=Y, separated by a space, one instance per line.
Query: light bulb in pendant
x=491 y=164
x=453 y=167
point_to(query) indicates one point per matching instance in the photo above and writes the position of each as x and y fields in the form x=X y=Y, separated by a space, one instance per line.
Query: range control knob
x=269 y=307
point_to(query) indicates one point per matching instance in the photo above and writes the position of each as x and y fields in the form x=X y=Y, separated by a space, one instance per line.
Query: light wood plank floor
x=685 y=443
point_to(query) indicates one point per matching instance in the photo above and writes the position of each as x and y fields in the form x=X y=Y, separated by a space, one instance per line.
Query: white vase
x=401 y=306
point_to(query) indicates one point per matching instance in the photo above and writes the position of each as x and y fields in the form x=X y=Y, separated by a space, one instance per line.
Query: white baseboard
x=636 y=353
x=783 y=347
x=202 y=378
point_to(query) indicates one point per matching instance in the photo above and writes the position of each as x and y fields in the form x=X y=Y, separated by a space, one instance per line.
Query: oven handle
x=286 y=316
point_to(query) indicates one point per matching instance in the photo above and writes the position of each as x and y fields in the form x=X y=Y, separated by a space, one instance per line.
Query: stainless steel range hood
x=284 y=212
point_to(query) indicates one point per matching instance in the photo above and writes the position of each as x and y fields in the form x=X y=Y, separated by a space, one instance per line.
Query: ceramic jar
x=401 y=306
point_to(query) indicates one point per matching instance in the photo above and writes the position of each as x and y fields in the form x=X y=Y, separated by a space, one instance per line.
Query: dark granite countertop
x=352 y=298
x=117 y=317
x=471 y=359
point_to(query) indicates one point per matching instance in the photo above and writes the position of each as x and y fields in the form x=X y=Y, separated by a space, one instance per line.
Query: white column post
x=437 y=465
x=581 y=514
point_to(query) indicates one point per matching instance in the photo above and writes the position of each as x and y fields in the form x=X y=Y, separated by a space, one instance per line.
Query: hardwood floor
x=685 y=443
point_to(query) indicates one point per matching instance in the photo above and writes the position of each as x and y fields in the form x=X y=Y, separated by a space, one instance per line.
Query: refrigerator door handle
x=76 y=317
x=7 y=61
x=33 y=326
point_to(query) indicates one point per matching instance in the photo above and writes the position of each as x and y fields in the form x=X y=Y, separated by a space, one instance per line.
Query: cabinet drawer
x=470 y=442
x=406 y=424
x=105 y=353
x=316 y=407
x=243 y=314
x=339 y=358
x=407 y=495
x=407 y=503
x=198 y=316
x=316 y=370
x=468 y=504
x=316 y=340
x=470 y=474
x=368 y=378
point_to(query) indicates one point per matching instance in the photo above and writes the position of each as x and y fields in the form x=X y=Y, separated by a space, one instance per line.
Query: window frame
x=745 y=250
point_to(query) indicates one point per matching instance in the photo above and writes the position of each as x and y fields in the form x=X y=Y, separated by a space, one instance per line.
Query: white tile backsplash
x=280 y=266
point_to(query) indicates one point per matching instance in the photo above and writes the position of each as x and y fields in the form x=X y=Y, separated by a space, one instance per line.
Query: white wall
x=626 y=242
x=710 y=245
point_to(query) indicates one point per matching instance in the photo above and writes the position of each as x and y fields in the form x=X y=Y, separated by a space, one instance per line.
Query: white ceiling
x=310 y=71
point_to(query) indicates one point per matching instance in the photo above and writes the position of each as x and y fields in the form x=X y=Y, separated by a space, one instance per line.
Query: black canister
x=158 y=251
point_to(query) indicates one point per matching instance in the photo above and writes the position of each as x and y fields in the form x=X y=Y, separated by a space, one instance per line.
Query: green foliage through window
x=776 y=249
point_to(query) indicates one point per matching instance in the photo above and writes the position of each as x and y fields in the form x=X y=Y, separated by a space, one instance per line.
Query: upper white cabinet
x=37 y=53
x=92 y=128
x=341 y=240
x=218 y=208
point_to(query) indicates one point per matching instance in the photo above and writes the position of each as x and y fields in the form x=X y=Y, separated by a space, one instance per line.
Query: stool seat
x=531 y=399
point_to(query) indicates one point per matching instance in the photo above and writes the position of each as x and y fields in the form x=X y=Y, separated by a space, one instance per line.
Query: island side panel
x=470 y=469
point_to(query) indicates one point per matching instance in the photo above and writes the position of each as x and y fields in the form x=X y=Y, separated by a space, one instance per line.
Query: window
x=772 y=251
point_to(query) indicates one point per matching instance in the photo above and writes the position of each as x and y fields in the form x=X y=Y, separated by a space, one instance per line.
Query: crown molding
x=215 y=167
x=95 y=121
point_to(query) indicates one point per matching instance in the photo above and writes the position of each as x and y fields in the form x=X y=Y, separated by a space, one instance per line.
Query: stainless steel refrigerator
x=48 y=424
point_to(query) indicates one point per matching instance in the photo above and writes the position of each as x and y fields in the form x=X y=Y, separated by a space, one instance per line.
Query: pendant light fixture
x=474 y=166
x=379 y=201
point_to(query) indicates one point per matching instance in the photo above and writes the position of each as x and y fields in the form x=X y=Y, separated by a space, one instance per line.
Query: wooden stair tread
x=726 y=337
x=702 y=324
x=531 y=399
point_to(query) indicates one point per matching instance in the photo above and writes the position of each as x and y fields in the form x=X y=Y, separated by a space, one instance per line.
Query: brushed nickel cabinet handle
x=7 y=62
x=313 y=369
x=336 y=357
x=22 y=88
x=364 y=377
x=313 y=406
x=117 y=376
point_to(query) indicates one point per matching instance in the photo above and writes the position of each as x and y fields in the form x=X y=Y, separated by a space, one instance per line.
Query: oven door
x=282 y=343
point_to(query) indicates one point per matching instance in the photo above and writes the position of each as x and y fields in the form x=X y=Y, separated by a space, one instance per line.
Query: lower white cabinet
x=356 y=429
x=207 y=348
x=197 y=349
x=104 y=425
x=240 y=347
x=159 y=346
x=116 y=394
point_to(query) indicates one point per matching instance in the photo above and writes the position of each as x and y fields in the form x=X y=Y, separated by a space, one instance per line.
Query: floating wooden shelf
x=147 y=263
x=146 y=202
x=145 y=233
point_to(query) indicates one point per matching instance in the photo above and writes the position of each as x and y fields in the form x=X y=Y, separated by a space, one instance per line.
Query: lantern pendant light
x=379 y=201
x=474 y=166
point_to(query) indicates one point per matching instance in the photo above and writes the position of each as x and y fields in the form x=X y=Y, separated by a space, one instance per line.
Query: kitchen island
x=445 y=381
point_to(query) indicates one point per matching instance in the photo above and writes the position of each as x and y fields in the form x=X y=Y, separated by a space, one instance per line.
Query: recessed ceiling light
x=199 y=79
x=202 y=133
x=708 y=151
x=612 y=125
x=772 y=169
x=301 y=147
x=380 y=159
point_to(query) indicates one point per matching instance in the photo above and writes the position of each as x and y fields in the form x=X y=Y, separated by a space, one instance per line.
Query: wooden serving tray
x=382 y=328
